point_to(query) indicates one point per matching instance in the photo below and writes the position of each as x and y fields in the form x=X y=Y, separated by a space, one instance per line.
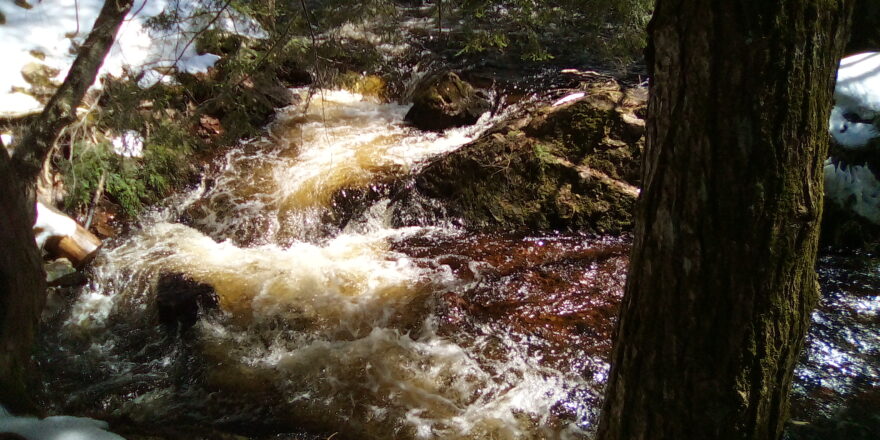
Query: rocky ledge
x=569 y=165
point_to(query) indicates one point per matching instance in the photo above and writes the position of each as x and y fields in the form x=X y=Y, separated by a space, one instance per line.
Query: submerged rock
x=180 y=300
x=444 y=102
x=572 y=166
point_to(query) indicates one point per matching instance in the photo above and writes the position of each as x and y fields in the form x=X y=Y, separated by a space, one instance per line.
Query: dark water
x=837 y=387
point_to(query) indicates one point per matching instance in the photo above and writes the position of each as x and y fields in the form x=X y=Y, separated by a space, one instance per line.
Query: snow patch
x=50 y=32
x=51 y=224
x=850 y=134
x=56 y=427
x=569 y=98
x=857 y=100
x=7 y=139
x=130 y=144
x=858 y=84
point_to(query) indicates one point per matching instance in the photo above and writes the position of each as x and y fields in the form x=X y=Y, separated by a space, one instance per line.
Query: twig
x=317 y=63
x=196 y=35
x=99 y=192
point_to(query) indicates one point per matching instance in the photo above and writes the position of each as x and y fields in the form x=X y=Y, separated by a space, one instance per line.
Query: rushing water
x=355 y=328
x=369 y=331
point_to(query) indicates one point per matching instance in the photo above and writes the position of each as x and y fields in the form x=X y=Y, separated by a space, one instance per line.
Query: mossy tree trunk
x=721 y=281
x=22 y=283
x=22 y=288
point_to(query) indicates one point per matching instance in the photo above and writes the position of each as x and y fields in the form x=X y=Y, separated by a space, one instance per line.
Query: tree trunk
x=721 y=281
x=38 y=141
x=22 y=281
x=22 y=289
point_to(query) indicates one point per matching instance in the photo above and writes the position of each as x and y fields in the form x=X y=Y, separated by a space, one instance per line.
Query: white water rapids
x=331 y=330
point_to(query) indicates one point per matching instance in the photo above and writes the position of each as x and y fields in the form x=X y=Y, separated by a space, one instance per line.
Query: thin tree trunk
x=721 y=281
x=36 y=144
x=22 y=281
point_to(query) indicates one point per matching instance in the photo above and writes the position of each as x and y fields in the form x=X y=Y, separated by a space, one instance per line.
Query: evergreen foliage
x=541 y=30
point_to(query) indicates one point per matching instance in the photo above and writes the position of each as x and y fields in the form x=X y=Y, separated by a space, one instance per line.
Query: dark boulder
x=445 y=101
x=180 y=300
x=572 y=166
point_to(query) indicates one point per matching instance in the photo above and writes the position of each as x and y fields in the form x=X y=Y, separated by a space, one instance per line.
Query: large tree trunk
x=721 y=280
x=22 y=281
x=22 y=289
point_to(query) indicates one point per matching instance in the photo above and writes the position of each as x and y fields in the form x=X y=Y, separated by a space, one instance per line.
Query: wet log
x=80 y=248
x=61 y=236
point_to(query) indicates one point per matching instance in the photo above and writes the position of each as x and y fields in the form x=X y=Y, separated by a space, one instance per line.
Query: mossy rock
x=558 y=168
x=367 y=85
x=446 y=101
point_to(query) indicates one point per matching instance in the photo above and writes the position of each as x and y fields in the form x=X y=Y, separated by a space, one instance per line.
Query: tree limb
x=37 y=143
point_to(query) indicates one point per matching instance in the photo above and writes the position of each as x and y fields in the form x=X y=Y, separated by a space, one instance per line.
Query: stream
x=364 y=330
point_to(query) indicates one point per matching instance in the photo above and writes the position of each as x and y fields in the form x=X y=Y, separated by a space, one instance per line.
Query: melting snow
x=129 y=144
x=51 y=224
x=853 y=125
x=49 y=32
x=857 y=93
x=850 y=134
x=56 y=427
x=854 y=186
x=858 y=84
x=569 y=98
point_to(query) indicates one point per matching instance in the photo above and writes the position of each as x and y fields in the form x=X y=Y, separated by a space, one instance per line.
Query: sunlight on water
x=339 y=331
x=334 y=140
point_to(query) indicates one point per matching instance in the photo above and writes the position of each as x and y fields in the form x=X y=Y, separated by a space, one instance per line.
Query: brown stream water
x=366 y=330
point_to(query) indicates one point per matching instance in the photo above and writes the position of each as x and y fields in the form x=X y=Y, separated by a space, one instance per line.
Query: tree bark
x=22 y=289
x=721 y=281
x=38 y=141
x=22 y=281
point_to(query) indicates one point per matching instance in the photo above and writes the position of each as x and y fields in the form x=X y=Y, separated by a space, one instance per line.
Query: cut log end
x=80 y=248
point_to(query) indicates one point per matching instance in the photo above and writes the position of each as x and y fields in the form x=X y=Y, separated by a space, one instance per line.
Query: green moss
x=567 y=169
x=130 y=182
x=367 y=85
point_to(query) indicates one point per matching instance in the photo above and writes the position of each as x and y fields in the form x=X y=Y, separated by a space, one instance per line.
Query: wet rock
x=180 y=300
x=61 y=273
x=573 y=166
x=250 y=102
x=293 y=75
x=446 y=101
x=39 y=74
x=41 y=79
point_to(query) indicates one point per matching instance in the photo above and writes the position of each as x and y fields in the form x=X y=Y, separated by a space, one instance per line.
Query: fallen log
x=61 y=236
